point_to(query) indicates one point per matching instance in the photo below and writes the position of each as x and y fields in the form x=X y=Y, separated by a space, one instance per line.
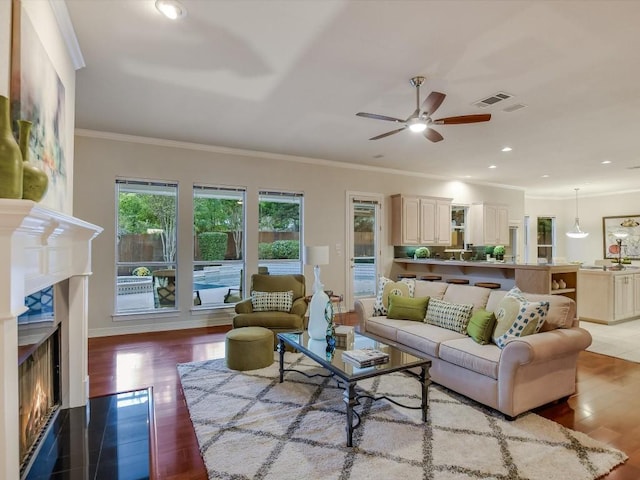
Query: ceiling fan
x=420 y=120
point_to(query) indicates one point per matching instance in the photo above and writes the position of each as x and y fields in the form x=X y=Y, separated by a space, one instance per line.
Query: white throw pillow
x=517 y=317
x=405 y=288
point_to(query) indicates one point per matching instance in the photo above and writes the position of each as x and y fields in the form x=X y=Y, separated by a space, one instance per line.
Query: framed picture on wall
x=629 y=224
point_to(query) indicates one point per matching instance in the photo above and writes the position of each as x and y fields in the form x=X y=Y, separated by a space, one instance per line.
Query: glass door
x=363 y=246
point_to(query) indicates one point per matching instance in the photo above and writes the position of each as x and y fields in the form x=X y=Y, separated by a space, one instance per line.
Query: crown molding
x=121 y=137
x=61 y=13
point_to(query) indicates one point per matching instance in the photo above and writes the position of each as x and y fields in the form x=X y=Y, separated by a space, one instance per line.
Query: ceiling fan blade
x=432 y=135
x=375 y=116
x=481 y=117
x=432 y=102
x=382 y=135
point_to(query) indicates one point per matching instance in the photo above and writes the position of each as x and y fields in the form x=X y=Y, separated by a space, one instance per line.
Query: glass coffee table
x=349 y=375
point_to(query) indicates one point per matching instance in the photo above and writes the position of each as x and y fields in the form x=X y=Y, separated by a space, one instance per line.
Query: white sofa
x=529 y=372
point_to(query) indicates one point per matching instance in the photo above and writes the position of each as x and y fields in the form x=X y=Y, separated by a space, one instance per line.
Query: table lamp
x=320 y=308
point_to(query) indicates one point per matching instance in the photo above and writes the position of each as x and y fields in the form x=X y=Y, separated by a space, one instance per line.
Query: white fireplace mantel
x=40 y=247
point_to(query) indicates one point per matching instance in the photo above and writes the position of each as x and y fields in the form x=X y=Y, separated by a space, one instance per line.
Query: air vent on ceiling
x=513 y=108
x=492 y=100
x=637 y=167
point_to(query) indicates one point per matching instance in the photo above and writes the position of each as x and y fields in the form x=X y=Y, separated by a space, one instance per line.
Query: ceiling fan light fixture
x=417 y=125
x=171 y=9
x=576 y=231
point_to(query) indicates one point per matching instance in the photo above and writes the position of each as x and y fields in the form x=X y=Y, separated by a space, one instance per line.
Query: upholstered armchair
x=275 y=320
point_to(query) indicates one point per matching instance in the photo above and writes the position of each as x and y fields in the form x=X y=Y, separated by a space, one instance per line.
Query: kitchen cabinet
x=419 y=220
x=489 y=224
x=609 y=296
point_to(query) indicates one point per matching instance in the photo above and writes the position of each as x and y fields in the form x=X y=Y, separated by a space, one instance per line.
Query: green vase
x=10 y=156
x=34 y=181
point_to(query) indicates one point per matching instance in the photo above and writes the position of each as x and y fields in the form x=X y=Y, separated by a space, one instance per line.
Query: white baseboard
x=179 y=324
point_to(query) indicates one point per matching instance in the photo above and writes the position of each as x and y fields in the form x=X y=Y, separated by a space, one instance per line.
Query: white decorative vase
x=320 y=309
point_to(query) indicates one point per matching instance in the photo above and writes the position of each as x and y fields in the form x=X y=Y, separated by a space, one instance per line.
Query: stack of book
x=365 y=357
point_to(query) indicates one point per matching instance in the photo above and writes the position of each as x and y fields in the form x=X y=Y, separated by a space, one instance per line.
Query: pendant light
x=576 y=232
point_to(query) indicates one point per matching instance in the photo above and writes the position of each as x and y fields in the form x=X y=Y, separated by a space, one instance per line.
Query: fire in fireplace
x=39 y=393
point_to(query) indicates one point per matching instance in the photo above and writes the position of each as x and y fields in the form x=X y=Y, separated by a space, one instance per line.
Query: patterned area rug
x=251 y=426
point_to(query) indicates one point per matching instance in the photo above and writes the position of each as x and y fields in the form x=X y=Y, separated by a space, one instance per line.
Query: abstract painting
x=38 y=95
x=629 y=224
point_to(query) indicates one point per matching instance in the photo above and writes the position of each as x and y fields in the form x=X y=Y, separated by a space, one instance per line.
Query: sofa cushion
x=466 y=353
x=481 y=325
x=424 y=337
x=406 y=308
x=453 y=316
x=477 y=296
x=562 y=310
x=271 y=301
x=387 y=328
x=430 y=289
x=386 y=287
x=516 y=317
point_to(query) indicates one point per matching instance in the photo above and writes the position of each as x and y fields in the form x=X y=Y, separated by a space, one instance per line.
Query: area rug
x=251 y=426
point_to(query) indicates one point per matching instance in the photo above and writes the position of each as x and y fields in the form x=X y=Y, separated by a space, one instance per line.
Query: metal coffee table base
x=352 y=395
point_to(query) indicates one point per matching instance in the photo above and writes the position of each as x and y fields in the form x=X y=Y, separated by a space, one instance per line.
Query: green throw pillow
x=481 y=326
x=407 y=308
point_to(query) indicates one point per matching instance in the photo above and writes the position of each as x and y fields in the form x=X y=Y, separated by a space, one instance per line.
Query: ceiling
x=288 y=77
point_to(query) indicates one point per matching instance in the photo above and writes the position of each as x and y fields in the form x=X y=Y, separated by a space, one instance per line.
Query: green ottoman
x=249 y=348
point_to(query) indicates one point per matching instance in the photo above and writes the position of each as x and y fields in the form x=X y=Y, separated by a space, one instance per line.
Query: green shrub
x=289 y=249
x=422 y=252
x=213 y=245
x=488 y=250
x=265 y=252
x=498 y=250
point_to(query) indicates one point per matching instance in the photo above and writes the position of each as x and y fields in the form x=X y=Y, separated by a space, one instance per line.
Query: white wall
x=591 y=209
x=100 y=160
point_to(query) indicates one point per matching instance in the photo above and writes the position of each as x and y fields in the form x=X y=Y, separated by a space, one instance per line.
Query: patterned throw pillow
x=517 y=317
x=386 y=287
x=272 y=301
x=452 y=316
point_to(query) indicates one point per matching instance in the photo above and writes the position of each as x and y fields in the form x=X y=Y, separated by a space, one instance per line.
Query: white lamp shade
x=315 y=255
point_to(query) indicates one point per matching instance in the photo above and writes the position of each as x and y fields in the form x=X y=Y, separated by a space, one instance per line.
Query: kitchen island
x=609 y=296
x=531 y=278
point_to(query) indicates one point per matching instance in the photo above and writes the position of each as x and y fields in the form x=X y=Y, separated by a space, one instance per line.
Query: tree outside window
x=218 y=225
x=280 y=221
x=146 y=245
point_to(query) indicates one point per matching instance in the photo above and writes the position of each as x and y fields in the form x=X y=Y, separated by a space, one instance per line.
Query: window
x=218 y=255
x=546 y=238
x=146 y=245
x=280 y=224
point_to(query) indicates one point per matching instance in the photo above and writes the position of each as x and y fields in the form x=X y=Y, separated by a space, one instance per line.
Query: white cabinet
x=624 y=297
x=607 y=296
x=489 y=224
x=418 y=220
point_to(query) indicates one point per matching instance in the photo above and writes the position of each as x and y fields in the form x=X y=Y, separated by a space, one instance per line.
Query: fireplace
x=38 y=393
x=39 y=248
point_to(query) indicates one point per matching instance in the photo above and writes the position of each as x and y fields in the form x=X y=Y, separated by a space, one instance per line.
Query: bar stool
x=406 y=275
x=431 y=278
x=458 y=281
x=491 y=285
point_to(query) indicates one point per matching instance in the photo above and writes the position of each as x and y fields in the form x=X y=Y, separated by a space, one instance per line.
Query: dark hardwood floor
x=606 y=405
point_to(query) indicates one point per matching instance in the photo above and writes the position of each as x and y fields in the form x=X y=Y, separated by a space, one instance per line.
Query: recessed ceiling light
x=545 y=176
x=605 y=162
x=467 y=176
x=171 y=8
x=493 y=166
x=506 y=149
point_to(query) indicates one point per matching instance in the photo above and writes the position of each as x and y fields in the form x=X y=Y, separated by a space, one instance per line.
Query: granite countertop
x=486 y=264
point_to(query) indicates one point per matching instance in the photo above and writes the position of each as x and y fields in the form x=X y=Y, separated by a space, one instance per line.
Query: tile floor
x=113 y=444
x=621 y=340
